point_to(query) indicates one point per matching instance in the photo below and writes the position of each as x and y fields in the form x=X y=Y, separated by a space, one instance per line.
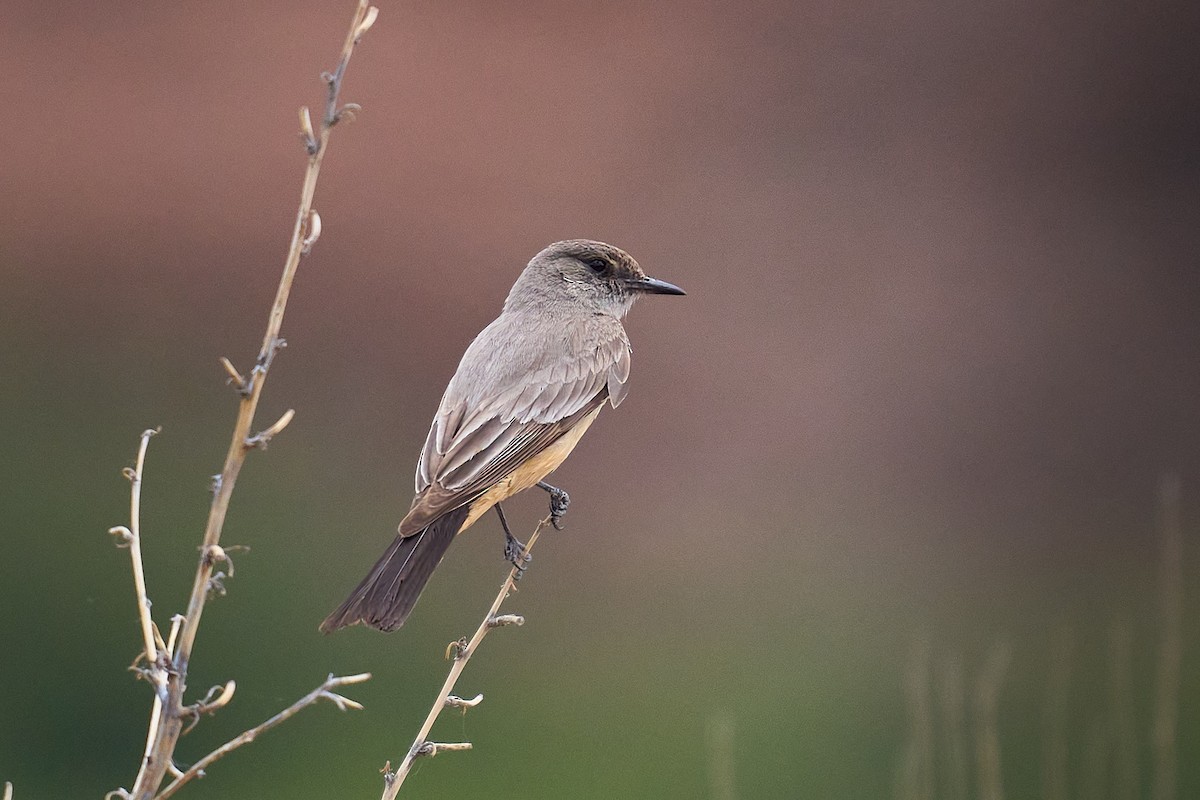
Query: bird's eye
x=597 y=265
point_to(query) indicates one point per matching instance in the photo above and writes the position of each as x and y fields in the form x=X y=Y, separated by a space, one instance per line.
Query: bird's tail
x=387 y=595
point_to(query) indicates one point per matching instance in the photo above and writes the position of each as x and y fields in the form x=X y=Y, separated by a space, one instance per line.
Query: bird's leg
x=514 y=548
x=559 y=501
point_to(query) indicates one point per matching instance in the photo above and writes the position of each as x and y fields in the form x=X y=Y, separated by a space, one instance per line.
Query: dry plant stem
x=1164 y=728
x=8 y=790
x=135 y=548
x=156 y=662
x=916 y=777
x=1055 y=753
x=324 y=691
x=987 y=732
x=172 y=717
x=721 y=738
x=1125 y=782
x=421 y=745
x=954 y=727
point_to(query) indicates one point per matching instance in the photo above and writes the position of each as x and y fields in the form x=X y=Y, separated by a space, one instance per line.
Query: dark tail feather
x=387 y=595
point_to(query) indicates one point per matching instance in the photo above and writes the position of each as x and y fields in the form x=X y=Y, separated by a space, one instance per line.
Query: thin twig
x=235 y=377
x=462 y=652
x=135 y=546
x=8 y=791
x=236 y=454
x=155 y=670
x=324 y=691
x=169 y=713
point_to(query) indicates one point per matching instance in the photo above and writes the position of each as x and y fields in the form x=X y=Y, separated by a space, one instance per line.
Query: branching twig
x=272 y=342
x=167 y=662
x=156 y=669
x=324 y=691
x=132 y=538
x=461 y=651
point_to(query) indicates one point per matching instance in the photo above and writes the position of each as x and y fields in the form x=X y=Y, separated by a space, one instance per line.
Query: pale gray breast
x=522 y=373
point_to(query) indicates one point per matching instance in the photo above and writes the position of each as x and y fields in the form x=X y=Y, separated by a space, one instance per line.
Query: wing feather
x=618 y=375
x=472 y=445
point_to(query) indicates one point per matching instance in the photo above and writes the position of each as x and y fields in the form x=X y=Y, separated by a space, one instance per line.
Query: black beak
x=655 y=286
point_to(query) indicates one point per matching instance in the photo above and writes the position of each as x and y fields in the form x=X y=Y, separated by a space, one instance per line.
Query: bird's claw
x=514 y=553
x=560 y=501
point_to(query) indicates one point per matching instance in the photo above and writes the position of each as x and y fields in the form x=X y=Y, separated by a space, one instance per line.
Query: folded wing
x=481 y=435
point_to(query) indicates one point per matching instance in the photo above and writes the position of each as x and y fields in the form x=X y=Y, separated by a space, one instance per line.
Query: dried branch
x=132 y=538
x=272 y=343
x=157 y=662
x=322 y=692
x=168 y=662
x=461 y=651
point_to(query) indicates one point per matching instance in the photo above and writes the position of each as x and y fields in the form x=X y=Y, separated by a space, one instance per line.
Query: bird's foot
x=514 y=548
x=514 y=553
x=560 y=501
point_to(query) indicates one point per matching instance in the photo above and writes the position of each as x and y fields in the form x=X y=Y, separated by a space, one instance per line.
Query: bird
x=527 y=388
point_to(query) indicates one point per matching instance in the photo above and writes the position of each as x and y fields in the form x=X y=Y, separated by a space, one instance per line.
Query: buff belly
x=528 y=474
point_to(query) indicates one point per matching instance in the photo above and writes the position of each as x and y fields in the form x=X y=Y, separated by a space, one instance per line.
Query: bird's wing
x=472 y=444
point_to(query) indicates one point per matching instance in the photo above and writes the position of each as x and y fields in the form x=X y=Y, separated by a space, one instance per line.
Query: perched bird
x=524 y=393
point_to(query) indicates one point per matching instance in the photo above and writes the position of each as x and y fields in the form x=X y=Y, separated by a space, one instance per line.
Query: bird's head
x=601 y=278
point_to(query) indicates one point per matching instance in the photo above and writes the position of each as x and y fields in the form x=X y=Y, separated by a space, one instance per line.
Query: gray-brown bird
x=524 y=393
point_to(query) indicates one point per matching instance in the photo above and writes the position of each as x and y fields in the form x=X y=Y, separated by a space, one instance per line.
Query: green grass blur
x=610 y=689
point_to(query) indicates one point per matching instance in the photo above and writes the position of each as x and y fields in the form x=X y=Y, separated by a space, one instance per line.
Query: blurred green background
x=879 y=516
